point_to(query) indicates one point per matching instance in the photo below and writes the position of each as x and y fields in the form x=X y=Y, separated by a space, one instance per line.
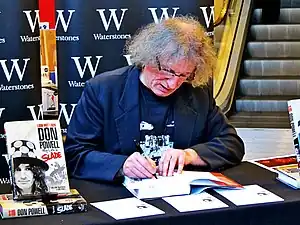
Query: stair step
x=258 y=86
x=260 y=124
x=279 y=116
x=287 y=16
x=276 y=32
x=260 y=120
x=271 y=67
x=274 y=49
x=263 y=103
x=289 y=3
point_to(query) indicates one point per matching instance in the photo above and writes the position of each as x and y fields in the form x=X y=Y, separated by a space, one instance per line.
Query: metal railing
x=235 y=28
x=222 y=15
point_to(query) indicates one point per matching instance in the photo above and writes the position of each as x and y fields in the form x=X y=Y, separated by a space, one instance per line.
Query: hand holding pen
x=138 y=166
x=140 y=150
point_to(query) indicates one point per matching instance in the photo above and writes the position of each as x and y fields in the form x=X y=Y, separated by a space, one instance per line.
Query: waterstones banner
x=91 y=38
x=20 y=81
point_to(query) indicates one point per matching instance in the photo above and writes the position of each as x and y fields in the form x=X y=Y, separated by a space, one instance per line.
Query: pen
x=140 y=150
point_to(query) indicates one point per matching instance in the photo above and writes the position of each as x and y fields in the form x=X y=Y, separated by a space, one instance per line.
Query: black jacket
x=106 y=122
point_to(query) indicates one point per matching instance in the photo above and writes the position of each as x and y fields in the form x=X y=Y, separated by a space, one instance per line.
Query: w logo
x=1 y=111
x=37 y=113
x=87 y=64
x=164 y=14
x=33 y=19
x=113 y=16
x=15 y=67
x=208 y=18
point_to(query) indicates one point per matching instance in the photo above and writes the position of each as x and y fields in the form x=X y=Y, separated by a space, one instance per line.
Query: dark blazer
x=106 y=121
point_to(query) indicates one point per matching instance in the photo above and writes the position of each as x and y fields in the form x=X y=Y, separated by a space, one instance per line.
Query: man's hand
x=137 y=166
x=178 y=157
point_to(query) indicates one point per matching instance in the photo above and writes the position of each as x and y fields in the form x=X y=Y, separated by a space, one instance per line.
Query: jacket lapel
x=128 y=122
x=185 y=120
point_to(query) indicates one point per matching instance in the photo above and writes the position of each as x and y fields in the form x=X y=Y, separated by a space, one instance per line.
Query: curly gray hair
x=171 y=40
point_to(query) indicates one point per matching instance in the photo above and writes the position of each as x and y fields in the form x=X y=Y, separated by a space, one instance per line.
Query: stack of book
x=38 y=172
x=72 y=202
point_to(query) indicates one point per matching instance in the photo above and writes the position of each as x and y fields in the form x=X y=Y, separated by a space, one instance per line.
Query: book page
x=202 y=201
x=127 y=208
x=155 y=188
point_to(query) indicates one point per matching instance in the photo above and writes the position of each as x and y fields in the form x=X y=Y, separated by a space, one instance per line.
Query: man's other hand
x=178 y=158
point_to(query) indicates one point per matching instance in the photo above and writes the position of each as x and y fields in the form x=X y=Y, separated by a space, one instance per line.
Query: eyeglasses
x=172 y=73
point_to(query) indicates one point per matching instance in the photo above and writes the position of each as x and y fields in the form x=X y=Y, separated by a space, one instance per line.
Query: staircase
x=270 y=71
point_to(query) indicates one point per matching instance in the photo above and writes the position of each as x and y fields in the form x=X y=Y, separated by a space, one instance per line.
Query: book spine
x=67 y=207
x=295 y=123
x=53 y=208
x=7 y=213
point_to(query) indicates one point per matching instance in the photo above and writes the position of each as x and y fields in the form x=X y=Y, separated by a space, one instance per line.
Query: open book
x=188 y=182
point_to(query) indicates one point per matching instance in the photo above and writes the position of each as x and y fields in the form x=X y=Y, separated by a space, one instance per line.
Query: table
x=279 y=213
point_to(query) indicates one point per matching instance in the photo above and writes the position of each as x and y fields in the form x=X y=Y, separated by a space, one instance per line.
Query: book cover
x=36 y=158
x=188 y=182
x=289 y=174
x=271 y=162
x=72 y=202
x=286 y=168
x=294 y=118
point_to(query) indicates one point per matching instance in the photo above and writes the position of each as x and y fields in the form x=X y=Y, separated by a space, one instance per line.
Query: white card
x=202 y=201
x=127 y=208
x=251 y=194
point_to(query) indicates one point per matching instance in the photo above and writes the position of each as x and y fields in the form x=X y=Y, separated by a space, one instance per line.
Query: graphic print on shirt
x=154 y=145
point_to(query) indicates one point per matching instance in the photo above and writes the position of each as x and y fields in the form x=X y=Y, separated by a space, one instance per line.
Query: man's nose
x=23 y=174
x=173 y=82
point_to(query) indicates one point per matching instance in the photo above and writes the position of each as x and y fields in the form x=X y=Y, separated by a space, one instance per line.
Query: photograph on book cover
x=28 y=170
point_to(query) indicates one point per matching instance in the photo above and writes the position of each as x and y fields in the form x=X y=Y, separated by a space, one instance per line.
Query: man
x=155 y=116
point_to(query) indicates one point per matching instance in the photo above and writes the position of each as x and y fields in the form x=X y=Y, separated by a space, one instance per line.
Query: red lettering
x=52 y=155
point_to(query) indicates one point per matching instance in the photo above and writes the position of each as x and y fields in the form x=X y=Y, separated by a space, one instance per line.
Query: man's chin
x=162 y=93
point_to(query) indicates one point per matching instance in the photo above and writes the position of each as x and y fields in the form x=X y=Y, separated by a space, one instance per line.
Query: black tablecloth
x=279 y=213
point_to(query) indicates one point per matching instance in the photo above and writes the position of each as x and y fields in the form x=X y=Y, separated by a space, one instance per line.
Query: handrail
x=223 y=13
x=231 y=54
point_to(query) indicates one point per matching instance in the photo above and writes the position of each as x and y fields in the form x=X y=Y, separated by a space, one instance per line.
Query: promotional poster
x=20 y=80
x=48 y=51
x=91 y=38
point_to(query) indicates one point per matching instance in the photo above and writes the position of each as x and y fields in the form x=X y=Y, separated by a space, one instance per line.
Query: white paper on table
x=127 y=208
x=202 y=201
x=251 y=194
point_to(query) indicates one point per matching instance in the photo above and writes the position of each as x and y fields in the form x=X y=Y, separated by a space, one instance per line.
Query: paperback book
x=72 y=202
x=188 y=182
x=36 y=156
x=286 y=168
x=289 y=174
